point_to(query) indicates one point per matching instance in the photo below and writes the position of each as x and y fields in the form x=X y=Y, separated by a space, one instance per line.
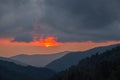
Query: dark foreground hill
x=12 y=71
x=105 y=66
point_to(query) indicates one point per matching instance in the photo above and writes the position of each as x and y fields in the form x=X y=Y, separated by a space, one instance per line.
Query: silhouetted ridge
x=104 y=66
x=12 y=71
x=73 y=58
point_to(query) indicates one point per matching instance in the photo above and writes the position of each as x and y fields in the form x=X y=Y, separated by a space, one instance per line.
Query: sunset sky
x=52 y=26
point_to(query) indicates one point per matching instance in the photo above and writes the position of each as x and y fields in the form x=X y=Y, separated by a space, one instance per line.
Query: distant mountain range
x=38 y=60
x=59 y=61
x=74 y=57
x=14 y=61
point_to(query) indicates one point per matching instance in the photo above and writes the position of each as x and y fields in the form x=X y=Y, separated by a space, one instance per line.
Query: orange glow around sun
x=49 y=41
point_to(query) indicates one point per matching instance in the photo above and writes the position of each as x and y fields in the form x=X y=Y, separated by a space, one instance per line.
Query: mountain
x=105 y=66
x=74 y=57
x=38 y=60
x=14 y=61
x=12 y=71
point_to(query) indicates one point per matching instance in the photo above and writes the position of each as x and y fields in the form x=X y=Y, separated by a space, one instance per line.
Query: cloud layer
x=69 y=20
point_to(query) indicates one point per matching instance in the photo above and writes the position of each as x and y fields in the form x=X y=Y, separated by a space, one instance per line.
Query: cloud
x=84 y=20
x=23 y=38
x=69 y=20
x=18 y=14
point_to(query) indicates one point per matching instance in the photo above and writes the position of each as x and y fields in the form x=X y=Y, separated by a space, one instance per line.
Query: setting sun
x=49 y=42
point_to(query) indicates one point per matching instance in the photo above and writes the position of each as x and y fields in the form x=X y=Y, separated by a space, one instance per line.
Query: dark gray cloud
x=23 y=38
x=70 y=20
x=83 y=20
x=17 y=17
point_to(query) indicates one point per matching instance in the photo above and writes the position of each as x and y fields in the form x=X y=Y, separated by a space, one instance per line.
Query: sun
x=49 y=41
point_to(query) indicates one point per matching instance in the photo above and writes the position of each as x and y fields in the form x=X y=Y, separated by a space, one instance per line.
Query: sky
x=52 y=26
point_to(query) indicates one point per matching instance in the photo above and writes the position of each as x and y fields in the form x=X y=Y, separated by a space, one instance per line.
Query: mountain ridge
x=104 y=66
x=73 y=58
x=14 y=61
x=38 y=60
x=12 y=71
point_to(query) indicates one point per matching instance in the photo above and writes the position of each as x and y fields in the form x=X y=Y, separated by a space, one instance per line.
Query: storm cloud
x=69 y=20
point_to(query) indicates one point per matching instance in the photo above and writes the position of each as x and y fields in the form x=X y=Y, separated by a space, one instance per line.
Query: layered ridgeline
x=74 y=57
x=38 y=60
x=105 y=66
x=14 y=61
x=11 y=71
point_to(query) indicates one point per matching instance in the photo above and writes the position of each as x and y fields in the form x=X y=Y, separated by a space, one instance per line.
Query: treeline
x=105 y=66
